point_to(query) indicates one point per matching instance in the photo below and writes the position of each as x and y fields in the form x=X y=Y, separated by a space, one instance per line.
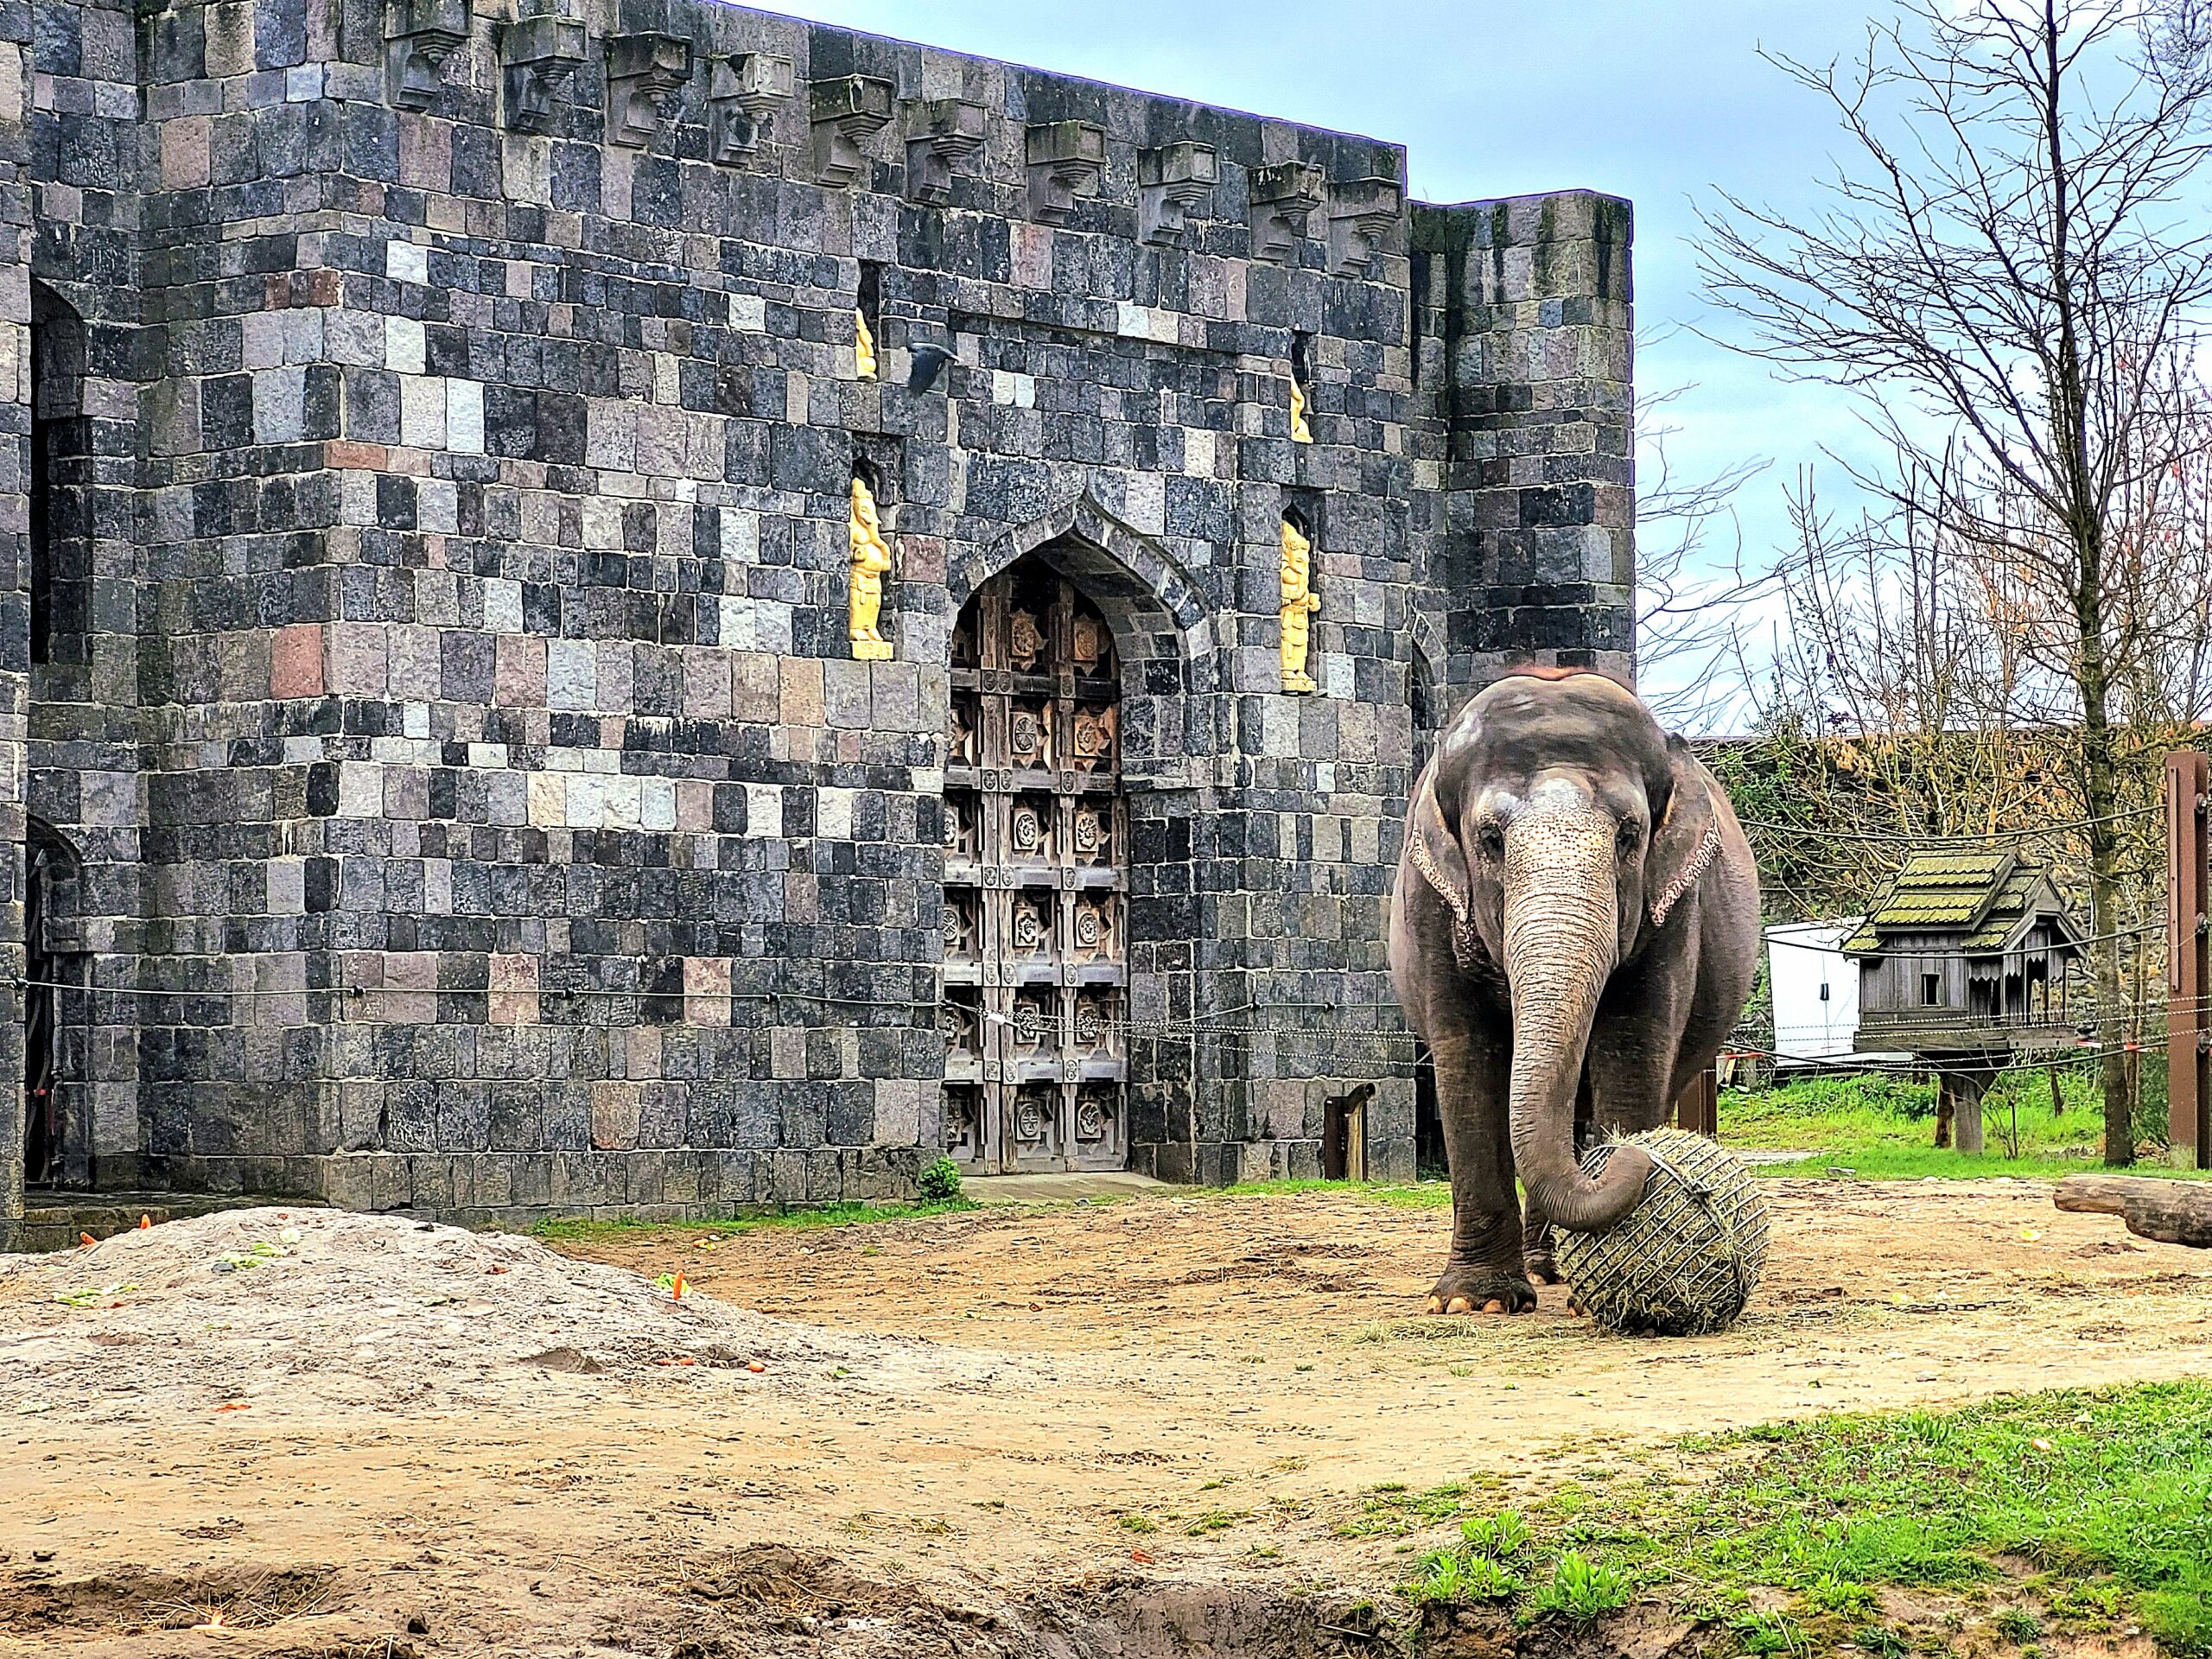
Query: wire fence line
x=1990 y=838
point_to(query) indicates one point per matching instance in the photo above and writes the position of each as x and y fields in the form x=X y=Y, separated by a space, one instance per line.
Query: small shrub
x=1450 y=1579
x=1931 y=1428
x=1582 y=1590
x=1869 y=1092
x=1765 y=1633
x=1499 y=1537
x=1830 y=1593
x=1879 y=1639
x=939 y=1182
x=2017 y=1624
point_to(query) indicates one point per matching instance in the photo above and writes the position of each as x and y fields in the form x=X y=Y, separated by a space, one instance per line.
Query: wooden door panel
x=1036 y=890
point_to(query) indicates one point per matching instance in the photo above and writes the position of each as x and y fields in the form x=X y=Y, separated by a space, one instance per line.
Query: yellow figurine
x=863 y=346
x=1299 y=431
x=1300 y=602
x=871 y=563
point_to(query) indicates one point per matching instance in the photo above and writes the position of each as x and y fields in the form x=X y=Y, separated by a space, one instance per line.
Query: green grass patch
x=588 y=1227
x=1395 y=1510
x=2085 y=1512
x=1883 y=1128
x=1877 y=1126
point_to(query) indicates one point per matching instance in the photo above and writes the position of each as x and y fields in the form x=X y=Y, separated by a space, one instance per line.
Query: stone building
x=448 y=763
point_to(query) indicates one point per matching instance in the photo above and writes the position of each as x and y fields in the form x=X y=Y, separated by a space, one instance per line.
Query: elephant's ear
x=1687 y=836
x=1435 y=847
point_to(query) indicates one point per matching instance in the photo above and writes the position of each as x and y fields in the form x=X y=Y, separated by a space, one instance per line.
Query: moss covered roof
x=1984 y=896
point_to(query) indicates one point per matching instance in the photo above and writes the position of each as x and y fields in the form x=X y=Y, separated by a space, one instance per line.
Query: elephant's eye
x=1491 y=840
x=1629 y=836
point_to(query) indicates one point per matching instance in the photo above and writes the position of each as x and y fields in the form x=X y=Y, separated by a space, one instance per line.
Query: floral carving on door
x=1036 y=966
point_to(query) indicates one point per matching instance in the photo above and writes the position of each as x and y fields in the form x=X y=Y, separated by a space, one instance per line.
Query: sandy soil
x=946 y=1464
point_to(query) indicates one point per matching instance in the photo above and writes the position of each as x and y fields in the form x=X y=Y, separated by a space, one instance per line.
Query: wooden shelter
x=1962 y=964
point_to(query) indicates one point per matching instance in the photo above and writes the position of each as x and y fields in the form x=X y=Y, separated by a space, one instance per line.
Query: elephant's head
x=1560 y=825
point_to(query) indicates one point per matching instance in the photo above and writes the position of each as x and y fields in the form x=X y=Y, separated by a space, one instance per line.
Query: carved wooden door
x=1036 y=893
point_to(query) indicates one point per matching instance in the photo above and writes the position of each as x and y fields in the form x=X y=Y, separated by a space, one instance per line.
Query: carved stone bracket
x=420 y=36
x=538 y=55
x=1171 y=181
x=846 y=112
x=741 y=91
x=1282 y=197
x=643 y=72
x=1066 y=160
x=1361 y=213
x=950 y=130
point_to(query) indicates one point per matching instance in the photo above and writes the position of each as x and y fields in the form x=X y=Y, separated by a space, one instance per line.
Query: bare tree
x=2002 y=274
x=1920 y=690
x=1691 y=587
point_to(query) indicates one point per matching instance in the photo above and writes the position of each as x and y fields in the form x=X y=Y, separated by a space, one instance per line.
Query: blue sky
x=1658 y=100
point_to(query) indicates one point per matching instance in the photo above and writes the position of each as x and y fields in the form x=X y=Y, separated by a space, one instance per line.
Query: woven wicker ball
x=1687 y=1257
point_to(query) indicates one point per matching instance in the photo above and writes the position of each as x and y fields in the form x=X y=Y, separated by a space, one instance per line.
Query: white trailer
x=1815 y=992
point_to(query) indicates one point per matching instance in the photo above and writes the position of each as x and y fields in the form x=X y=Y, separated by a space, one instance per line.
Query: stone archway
x=1036 y=886
x=1168 y=729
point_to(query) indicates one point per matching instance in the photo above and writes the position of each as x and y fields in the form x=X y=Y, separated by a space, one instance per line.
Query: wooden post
x=1698 y=1110
x=1966 y=1123
x=2188 y=961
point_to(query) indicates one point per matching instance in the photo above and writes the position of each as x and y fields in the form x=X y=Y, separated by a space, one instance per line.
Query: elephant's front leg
x=1637 y=1041
x=1484 y=1274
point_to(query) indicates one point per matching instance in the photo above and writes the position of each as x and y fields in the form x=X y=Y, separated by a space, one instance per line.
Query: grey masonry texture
x=424 y=685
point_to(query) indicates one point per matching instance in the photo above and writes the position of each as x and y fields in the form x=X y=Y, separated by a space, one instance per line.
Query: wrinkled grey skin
x=1559 y=821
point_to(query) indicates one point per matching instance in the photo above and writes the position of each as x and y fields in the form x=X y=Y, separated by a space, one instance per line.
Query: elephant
x=1573 y=933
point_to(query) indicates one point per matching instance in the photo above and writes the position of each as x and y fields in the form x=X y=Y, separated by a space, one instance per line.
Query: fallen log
x=2171 y=1212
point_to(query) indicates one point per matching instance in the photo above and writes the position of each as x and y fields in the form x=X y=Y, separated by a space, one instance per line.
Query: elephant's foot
x=1481 y=1290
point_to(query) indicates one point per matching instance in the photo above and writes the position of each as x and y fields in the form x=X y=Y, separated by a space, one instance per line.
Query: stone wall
x=1530 y=304
x=471 y=800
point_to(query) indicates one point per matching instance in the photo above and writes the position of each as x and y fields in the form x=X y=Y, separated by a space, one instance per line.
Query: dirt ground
x=1110 y=1428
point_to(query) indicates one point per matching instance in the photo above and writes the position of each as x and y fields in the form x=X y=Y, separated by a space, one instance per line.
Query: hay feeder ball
x=1687 y=1257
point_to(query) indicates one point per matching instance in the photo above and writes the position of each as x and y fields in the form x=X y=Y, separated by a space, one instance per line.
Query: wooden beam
x=2171 y=1212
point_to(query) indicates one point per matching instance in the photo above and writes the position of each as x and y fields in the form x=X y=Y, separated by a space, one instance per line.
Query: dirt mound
x=286 y=1308
x=772 y=1601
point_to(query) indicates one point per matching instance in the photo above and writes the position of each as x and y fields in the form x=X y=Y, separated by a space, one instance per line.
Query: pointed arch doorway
x=1036 y=883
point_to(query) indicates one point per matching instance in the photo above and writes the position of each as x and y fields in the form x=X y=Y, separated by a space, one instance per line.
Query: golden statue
x=863 y=346
x=1300 y=602
x=871 y=558
x=1299 y=431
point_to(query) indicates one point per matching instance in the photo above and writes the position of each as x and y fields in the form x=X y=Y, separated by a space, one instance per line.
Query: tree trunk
x=2086 y=523
x=2172 y=1213
x=2100 y=804
x=2057 y=1095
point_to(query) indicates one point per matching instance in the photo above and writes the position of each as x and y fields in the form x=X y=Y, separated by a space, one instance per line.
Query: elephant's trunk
x=1562 y=944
